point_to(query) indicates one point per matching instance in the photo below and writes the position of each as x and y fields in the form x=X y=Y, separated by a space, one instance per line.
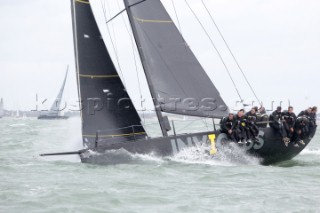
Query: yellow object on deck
x=213 y=149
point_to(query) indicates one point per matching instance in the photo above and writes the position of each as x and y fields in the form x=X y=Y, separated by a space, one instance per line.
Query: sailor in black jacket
x=228 y=125
x=300 y=130
x=275 y=121
x=251 y=119
x=289 y=119
x=313 y=122
x=306 y=112
x=241 y=128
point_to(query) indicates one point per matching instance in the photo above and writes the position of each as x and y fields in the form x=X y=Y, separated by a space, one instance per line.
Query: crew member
x=276 y=123
x=306 y=112
x=251 y=119
x=228 y=125
x=300 y=131
x=289 y=119
x=262 y=116
x=241 y=132
x=262 y=110
x=313 y=122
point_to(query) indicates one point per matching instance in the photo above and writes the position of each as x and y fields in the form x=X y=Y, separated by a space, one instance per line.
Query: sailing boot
x=296 y=145
x=242 y=142
x=286 y=141
x=256 y=139
x=302 y=142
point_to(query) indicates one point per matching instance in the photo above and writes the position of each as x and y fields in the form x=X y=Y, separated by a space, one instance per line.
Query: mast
x=149 y=79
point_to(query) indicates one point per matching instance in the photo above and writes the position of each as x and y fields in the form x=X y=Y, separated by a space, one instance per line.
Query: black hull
x=270 y=148
x=46 y=117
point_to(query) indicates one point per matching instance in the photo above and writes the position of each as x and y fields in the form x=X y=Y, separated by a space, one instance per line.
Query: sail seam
x=99 y=76
x=81 y=1
x=152 y=21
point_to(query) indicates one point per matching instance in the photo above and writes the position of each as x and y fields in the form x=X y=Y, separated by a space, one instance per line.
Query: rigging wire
x=189 y=124
x=112 y=26
x=227 y=45
x=135 y=63
x=175 y=11
x=214 y=46
x=113 y=45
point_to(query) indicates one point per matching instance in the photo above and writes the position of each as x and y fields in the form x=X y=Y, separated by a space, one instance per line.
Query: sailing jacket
x=251 y=118
x=240 y=122
x=313 y=119
x=275 y=117
x=227 y=124
x=289 y=118
x=304 y=113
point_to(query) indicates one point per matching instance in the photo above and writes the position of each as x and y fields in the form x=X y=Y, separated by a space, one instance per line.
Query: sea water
x=187 y=182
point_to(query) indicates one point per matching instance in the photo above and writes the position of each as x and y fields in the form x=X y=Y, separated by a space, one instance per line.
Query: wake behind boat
x=178 y=85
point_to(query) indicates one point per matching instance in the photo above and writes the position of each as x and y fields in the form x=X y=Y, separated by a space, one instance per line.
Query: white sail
x=55 y=108
x=1 y=108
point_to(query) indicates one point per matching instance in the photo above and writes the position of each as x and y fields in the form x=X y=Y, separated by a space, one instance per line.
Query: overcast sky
x=277 y=43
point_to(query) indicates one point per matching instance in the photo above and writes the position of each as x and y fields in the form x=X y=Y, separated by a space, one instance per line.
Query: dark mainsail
x=105 y=104
x=178 y=81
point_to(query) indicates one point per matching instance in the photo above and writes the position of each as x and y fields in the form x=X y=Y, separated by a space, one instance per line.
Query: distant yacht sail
x=1 y=108
x=54 y=112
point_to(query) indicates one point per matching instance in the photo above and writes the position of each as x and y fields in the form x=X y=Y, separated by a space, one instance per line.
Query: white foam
x=149 y=157
x=17 y=125
x=226 y=156
x=310 y=151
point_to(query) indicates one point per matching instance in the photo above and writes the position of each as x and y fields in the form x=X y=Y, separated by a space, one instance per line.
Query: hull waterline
x=269 y=149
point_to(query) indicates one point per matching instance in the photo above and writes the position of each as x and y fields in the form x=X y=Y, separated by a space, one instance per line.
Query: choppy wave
x=191 y=181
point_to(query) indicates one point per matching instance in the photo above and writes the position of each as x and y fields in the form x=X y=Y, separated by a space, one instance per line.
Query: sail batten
x=98 y=76
x=180 y=84
x=152 y=21
x=105 y=105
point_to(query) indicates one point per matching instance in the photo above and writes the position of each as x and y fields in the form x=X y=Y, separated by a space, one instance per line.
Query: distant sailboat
x=173 y=73
x=24 y=116
x=1 y=108
x=55 y=111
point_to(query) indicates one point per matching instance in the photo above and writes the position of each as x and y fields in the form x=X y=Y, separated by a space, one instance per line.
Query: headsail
x=179 y=82
x=105 y=104
x=55 y=108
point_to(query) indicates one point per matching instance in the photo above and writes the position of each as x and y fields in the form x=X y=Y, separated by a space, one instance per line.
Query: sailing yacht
x=177 y=82
x=55 y=111
x=1 y=108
